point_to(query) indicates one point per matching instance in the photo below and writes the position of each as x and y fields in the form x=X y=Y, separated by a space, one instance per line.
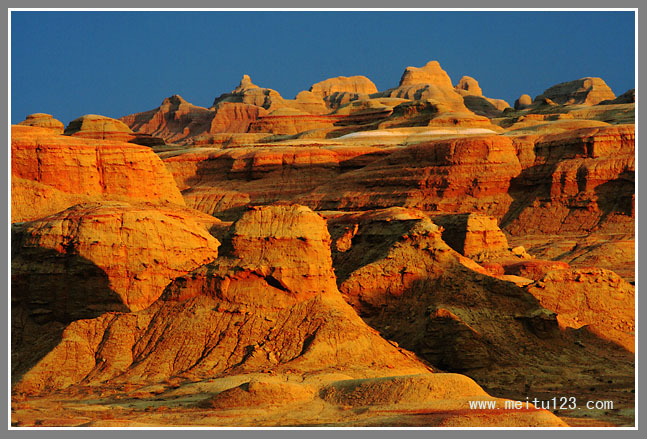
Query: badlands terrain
x=349 y=257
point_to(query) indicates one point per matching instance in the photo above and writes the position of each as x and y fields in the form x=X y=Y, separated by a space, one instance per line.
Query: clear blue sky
x=115 y=63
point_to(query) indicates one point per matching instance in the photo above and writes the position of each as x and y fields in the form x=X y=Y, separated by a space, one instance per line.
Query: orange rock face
x=371 y=238
x=131 y=251
x=599 y=299
x=473 y=235
x=291 y=121
x=341 y=90
x=577 y=181
x=342 y=84
x=219 y=181
x=93 y=126
x=461 y=174
x=51 y=172
x=277 y=310
x=534 y=269
x=235 y=117
x=469 y=85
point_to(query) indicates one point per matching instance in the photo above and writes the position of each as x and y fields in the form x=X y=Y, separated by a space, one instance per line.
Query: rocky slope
x=398 y=273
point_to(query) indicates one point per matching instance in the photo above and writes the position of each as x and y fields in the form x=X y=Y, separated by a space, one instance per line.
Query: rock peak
x=174 y=100
x=245 y=83
x=431 y=73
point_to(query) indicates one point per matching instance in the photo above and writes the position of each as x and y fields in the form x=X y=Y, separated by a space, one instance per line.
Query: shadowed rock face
x=140 y=248
x=396 y=271
x=271 y=302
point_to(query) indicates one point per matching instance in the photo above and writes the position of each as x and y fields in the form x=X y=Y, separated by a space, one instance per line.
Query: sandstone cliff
x=51 y=172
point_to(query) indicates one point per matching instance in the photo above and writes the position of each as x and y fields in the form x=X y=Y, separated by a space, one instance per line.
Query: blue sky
x=115 y=63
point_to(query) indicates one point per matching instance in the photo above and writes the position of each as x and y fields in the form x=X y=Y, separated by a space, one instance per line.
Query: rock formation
x=523 y=102
x=249 y=93
x=269 y=303
x=51 y=172
x=44 y=121
x=430 y=73
x=586 y=91
x=221 y=181
x=459 y=174
x=333 y=259
x=396 y=271
x=628 y=97
x=234 y=117
x=469 y=85
x=93 y=126
x=596 y=298
x=360 y=85
x=134 y=250
x=341 y=90
x=472 y=235
x=174 y=121
x=578 y=180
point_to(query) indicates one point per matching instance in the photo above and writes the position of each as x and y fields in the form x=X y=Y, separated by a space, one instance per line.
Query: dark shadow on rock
x=371 y=243
x=617 y=196
x=481 y=106
x=498 y=334
x=49 y=290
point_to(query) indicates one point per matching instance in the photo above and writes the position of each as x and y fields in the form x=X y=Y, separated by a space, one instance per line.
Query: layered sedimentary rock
x=438 y=110
x=234 y=117
x=93 y=126
x=580 y=180
x=112 y=253
x=398 y=273
x=249 y=93
x=473 y=235
x=342 y=84
x=50 y=172
x=269 y=303
x=291 y=121
x=221 y=181
x=596 y=298
x=44 y=120
x=586 y=91
x=454 y=175
x=341 y=90
x=175 y=120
